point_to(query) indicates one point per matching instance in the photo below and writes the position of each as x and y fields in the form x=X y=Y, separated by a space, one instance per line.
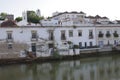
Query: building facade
x=36 y=38
x=108 y=35
x=63 y=31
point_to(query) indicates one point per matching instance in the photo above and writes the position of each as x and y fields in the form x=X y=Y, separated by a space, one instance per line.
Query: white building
x=37 y=38
x=69 y=18
x=50 y=22
x=108 y=35
x=74 y=19
x=62 y=31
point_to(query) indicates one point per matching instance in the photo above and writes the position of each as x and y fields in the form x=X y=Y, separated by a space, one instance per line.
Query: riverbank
x=56 y=58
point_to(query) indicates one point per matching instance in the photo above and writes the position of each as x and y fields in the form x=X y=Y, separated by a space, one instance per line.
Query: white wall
x=76 y=39
x=23 y=35
x=111 y=39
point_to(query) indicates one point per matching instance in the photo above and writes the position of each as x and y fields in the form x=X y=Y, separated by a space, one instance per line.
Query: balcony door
x=33 y=47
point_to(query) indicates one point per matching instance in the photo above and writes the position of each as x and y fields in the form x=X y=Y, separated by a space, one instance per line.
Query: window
x=90 y=34
x=80 y=44
x=80 y=33
x=34 y=34
x=9 y=35
x=115 y=42
x=100 y=43
x=85 y=44
x=70 y=33
x=33 y=47
x=63 y=37
x=51 y=37
x=100 y=34
x=10 y=46
x=108 y=43
x=91 y=44
x=115 y=34
x=108 y=34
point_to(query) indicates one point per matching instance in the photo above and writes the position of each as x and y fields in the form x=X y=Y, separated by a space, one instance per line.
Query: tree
x=32 y=17
x=18 y=19
x=3 y=16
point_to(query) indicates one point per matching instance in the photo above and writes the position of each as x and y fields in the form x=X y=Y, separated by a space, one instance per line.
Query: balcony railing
x=34 y=38
x=90 y=36
x=88 y=47
x=9 y=40
x=115 y=35
x=100 y=35
x=63 y=38
x=108 y=35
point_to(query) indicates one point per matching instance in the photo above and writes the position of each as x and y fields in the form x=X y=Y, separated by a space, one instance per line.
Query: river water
x=98 y=68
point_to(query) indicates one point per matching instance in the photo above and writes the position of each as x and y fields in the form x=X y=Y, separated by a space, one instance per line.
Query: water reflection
x=102 y=68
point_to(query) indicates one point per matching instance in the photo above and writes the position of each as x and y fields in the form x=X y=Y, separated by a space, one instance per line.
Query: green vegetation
x=115 y=35
x=76 y=46
x=70 y=44
x=18 y=19
x=3 y=16
x=32 y=17
x=56 y=54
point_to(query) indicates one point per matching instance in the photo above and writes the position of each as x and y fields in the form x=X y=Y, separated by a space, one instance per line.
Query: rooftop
x=8 y=23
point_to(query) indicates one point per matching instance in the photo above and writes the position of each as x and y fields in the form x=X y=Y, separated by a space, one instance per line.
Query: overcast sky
x=109 y=8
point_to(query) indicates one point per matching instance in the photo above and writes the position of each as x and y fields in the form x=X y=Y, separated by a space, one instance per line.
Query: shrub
x=115 y=35
x=76 y=46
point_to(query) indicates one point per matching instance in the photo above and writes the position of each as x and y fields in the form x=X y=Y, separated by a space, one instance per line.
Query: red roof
x=8 y=23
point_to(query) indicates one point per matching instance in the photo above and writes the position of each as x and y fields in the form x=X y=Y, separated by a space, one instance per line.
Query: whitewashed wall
x=111 y=39
x=23 y=35
x=76 y=39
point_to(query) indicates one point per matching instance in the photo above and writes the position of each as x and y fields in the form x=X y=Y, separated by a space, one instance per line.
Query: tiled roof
x=105 y=17
x=91 y=17
x=97 y=16
x=8 y=23
x=75 y=12
x=118 y=21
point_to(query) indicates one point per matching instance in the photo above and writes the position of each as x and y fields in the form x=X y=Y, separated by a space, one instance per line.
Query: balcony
x=90 y=36
x=9 y=40
x=63 y=38
x=100 y=35
x=115 y=35
x=34 y=38
x=108 y=35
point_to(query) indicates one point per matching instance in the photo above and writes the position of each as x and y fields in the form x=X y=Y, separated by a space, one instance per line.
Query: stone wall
x=14 y=52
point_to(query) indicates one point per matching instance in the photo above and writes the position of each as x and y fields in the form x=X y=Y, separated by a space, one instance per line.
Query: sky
x=109 y=8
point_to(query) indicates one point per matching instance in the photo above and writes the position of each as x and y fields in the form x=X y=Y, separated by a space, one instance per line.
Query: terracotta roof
x=91 y=17
x=105 y=17
x=8 y=23
x=97 y=16
x=75 y=12
x=82 y=12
